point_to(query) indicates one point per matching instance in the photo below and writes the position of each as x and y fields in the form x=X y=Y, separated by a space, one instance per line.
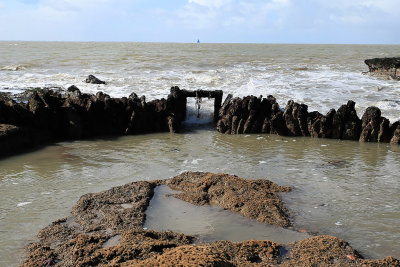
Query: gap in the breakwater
x=199 y=94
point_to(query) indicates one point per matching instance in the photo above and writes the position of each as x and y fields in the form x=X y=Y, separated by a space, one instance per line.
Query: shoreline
x=106 y=228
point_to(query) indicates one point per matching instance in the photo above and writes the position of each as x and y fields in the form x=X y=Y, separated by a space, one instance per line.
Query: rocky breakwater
x=386 y=67
x=106 y=229
x=263 y=115
x=50 y=116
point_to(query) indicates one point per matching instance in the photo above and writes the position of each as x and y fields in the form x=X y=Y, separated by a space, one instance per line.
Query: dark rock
x=389 y=67
x=278 y=124
x=225 y=105
x=396 y=136
x=384 y=131
x=319 y=125
x=296 y=119
x=94 y=80
x=346 y=124
x=371 y=122
x=14 y=113
x=13 y=139
x=51 y=116
x=250 y=122
x=74 y=92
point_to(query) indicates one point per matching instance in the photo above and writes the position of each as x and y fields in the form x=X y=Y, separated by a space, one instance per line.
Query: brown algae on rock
x=103 y=231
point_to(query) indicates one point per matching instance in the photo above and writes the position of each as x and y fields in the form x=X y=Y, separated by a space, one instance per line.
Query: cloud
x=351 y=19
x=208 y=14
x=211 y=3
x=319 y=21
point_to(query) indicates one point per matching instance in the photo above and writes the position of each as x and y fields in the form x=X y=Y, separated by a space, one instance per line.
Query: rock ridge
x=49 y=116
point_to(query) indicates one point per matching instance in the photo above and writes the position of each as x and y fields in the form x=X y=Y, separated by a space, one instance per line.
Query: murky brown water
x=343 y=188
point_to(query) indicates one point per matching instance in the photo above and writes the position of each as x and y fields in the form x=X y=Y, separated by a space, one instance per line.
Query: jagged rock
x=371 y=122
x=389 y=67
x=346 y=124
x=50 y=116
x=296 y=119
x=94 y=80
x=278 y=123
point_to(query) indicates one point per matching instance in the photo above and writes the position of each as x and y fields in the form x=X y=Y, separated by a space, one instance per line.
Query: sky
x=211 y=21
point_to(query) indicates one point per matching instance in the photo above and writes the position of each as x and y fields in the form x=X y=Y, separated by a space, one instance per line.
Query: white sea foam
x=23 y=204
x=322 y=77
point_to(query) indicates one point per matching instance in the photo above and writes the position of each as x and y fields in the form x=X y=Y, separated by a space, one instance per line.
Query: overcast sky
x=216 y=21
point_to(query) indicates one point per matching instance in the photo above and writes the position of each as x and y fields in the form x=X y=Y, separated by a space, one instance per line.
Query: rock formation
x=94 y=80
x=263 y=115
x=49 y=116
x=389 y=67
x=106 y=229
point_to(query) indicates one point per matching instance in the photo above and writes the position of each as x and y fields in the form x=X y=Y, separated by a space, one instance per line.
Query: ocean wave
x=15 y=67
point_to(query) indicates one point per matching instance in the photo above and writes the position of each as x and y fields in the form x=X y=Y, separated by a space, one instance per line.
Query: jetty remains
x=49 y=116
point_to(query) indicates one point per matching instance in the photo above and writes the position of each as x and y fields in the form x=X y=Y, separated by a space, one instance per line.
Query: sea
x=342 y=188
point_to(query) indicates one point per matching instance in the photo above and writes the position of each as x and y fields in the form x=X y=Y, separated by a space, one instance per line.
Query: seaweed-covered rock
x=389 y=67
x=105 y=229
x=256 y=199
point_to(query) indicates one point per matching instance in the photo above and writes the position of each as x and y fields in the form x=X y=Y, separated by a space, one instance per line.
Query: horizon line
x=195 y=42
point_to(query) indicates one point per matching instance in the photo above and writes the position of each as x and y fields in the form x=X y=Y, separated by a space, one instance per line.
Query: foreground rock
x=106 y=229
x=255 y=199
x=388 y=67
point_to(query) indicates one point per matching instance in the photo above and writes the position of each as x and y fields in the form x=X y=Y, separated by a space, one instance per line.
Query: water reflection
x=209 y=223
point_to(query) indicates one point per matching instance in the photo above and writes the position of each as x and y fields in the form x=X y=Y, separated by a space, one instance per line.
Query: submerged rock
x=255 y=199
x=106 y=229
x=94 y=80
